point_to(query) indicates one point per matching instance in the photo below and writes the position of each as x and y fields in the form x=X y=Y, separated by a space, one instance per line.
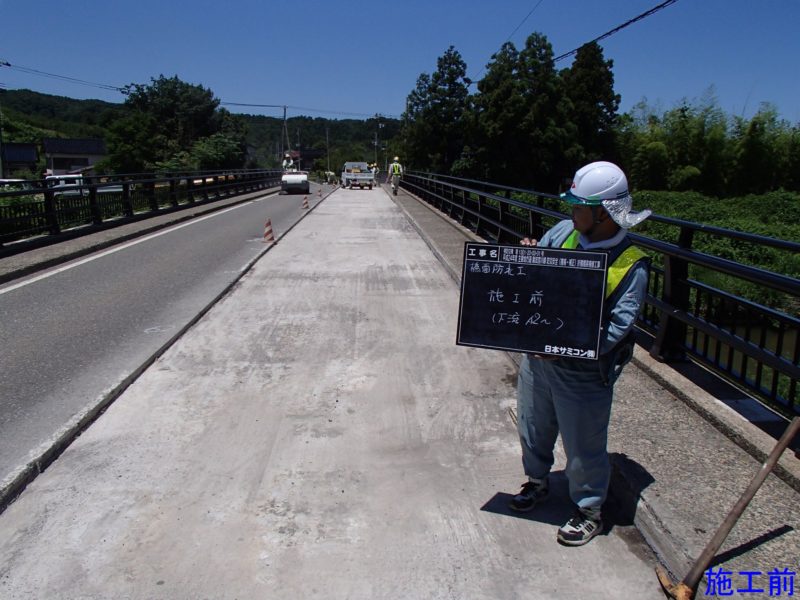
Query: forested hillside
x=691 y=162
x=30 y=116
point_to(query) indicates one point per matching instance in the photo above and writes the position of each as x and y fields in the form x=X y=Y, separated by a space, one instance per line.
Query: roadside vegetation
x=171 y=125
x=524 y=124
x=529 y=125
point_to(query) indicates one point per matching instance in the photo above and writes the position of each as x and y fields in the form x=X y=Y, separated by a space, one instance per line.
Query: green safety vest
x=396 y=168
x=617 y=269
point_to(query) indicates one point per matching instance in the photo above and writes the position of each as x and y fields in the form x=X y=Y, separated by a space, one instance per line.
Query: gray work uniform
x=573 y=396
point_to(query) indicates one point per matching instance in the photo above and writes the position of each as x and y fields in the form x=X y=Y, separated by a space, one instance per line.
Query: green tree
x=172 y=124
x=686 y=148
x=551 y=137
x=183 y=112
x=433 y=128
x=756 y=149
x=589 y=84
x=651 y=166
x=217 y=151
x=130 y=143
x=715 y=152
x=499 y=108
x=790 y=149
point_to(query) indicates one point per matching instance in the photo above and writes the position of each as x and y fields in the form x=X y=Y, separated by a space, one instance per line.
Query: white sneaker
x=580 y=529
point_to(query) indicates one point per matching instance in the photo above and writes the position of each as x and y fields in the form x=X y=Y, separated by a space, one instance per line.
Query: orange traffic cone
x=305 y=202
x=268 y=235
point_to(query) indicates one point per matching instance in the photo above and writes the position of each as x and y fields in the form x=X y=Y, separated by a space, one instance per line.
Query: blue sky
x=345 y=59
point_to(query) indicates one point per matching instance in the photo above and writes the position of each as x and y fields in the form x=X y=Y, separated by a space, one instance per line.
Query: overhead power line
x=255 y=105
x=523 y=21
x=510 y=35
x=306 y=109
x=653 y=10
x=122 y=90
x=102 y=86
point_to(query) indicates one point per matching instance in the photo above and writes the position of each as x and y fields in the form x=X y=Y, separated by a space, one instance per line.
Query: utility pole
x=2 y=173
x=378 y=127
x=285 y=134
x=381 y=126
x=327 y=148
x=3 y=63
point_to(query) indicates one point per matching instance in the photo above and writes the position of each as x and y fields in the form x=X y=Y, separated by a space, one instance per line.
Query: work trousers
x=552 y=399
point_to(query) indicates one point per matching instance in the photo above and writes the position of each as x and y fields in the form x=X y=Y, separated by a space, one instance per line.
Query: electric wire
x=510 y=35
x=645 y=14
x=522 y=22
x=30 y=71
x=306 y=109
x=123 y=90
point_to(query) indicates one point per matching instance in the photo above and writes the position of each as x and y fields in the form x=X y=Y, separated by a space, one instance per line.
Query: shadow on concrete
x=619 y=509
x=751 y=545
x=555 y=510
x=628 y=480
x=745 y=405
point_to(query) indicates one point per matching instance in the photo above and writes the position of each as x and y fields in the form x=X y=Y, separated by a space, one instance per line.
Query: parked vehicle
x=17 y=191
x=15 y=185
x=76 y=185
x=66 y=185
x=357 y=174
x=295 y=181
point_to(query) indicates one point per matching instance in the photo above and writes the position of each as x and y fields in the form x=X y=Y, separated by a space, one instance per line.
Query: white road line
x=83 y=261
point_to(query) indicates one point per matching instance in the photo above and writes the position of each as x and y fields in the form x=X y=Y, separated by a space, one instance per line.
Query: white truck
x=64 y=186
x=357 y=174
x=295 y=181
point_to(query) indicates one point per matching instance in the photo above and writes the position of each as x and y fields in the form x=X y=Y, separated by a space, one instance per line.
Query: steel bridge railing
x=745 y=341
x=38 y=210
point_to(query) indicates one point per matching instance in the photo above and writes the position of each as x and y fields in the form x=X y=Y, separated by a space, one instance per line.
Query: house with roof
x=64 y=155
x=17 y=157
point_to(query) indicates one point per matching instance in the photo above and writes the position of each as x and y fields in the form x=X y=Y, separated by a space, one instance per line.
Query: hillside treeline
x=524 y=124
x=530 y=125
x=171 y=125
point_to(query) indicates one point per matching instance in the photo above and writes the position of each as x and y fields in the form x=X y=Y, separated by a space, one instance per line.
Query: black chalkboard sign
x=532 y=299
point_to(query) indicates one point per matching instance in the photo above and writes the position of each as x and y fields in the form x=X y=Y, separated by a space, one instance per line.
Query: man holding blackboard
x=572 y=396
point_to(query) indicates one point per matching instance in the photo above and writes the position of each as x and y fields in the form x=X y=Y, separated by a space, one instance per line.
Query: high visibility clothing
x=618 y=268
x=572 y=397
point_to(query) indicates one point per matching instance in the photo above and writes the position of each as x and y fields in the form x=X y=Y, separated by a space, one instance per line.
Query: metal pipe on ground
x=687 y=587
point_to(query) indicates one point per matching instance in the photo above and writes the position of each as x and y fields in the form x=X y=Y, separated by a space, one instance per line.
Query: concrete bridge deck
x=319 y=434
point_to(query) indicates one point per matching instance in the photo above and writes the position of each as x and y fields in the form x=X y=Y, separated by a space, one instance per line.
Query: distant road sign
x=531 y=299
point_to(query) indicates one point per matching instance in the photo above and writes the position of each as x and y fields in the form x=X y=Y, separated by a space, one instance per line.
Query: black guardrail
x=745 y=341
x=33 y=210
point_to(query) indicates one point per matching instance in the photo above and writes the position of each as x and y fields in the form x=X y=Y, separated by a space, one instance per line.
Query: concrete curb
x=747 y=436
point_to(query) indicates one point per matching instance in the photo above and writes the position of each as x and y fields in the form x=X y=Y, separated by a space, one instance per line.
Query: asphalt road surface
x=73 y=334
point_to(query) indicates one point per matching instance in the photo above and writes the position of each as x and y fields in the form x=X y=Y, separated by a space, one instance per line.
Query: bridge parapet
x=746 y=342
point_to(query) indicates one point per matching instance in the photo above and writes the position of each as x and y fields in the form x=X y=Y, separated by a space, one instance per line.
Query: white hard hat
x=397 y=158
x=604 y=184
